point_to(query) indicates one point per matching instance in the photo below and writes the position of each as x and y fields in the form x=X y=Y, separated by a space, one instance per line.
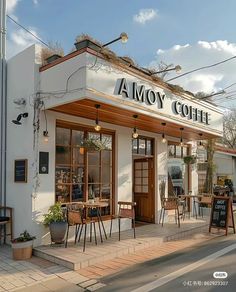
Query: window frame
x=86 y=129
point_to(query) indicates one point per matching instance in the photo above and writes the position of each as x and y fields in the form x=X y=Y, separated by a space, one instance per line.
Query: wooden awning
x=114 y=115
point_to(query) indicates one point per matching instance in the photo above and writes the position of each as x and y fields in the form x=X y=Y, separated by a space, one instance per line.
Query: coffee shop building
x=91 y=124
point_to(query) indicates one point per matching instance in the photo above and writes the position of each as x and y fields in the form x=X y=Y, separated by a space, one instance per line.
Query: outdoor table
x=196 y=199
x=90 y=206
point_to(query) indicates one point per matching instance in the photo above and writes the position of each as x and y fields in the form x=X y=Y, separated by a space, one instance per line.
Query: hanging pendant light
x=135 y=133
x=200 y=143
x=97 y=127
x=46 y=136
x=181 y=137
x=163 y=134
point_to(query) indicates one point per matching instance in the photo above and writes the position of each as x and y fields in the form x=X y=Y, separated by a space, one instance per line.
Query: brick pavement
x=106 y=268
x=42 y=275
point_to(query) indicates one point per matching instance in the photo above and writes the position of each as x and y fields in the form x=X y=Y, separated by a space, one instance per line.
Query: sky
x=189 y=33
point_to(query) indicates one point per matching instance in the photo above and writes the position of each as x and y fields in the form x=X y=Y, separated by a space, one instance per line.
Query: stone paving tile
x=108 y=267
x=95 y=287
x=87 y=283
x=55 y=284
x=35 y=288
x=29 y=275
x=78 y=279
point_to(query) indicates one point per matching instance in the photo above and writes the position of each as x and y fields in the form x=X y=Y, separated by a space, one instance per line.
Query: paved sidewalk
x=40 y=275
x=149 y=235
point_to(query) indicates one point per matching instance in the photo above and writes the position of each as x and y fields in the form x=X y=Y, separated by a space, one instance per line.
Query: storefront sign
x=222 y=214
x=153 y=97
x=140 y=94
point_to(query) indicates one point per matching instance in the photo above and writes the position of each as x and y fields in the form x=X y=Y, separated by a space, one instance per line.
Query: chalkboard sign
x=222 y=214
x=20 y=170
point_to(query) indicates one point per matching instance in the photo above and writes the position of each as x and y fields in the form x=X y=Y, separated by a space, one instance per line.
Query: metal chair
x=75 y=217
x=125 y=210
x=6 y=216
x=170 y=204
x=203 y=202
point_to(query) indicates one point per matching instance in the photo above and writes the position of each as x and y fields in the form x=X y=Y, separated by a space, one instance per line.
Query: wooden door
x=144 y=189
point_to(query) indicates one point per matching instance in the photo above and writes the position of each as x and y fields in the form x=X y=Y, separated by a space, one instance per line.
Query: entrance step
x=147 y=236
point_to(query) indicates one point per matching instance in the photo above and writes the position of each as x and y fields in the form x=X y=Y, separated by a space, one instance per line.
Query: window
x=80 y=172
x=176 y=151
x=142 y=146
x=177 y=172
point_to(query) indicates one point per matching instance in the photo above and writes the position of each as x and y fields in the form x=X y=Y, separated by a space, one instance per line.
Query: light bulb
x=81 y=150
x=124 y=37
x=178 y=69
x=45 y=134
x=181 y=144
x=97 y=127
x=135 y=134
x=163 y=138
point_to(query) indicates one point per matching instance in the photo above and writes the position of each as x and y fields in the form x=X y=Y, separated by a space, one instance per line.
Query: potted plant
x=84 y=41
x=56 y=220
x=191 y=159
x=54 y=52
x=22 y=246
x=93 y=144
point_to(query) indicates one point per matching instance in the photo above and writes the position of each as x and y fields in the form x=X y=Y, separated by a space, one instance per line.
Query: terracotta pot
x=22 y=250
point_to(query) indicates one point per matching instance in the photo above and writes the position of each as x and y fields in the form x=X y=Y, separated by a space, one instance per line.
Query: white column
x=161 y=174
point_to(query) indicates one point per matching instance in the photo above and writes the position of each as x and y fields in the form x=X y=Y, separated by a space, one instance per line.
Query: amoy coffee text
x=190 y=112
x=151 y=97
x=140 y=94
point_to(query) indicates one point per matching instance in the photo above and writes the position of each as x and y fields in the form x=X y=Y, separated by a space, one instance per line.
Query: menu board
x=222 y=214
x=20 y=170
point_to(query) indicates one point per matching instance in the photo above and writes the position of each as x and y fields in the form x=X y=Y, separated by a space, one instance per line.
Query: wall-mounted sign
x=222 y=214
x=20 y=170
x=43 y=162
x=151 y=97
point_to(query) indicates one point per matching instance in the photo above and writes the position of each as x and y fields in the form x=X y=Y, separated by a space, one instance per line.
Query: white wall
x=22 y=77
x=224 y=164
x=90 y=76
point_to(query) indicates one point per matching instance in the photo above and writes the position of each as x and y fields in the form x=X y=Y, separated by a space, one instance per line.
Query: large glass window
x=81 y=172
x=177 y=170
x=142 y=146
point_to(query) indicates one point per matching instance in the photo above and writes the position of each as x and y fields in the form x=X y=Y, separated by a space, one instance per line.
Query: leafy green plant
x=55 y=214
x=93 y=144
x=191 y=159
x=24 y=236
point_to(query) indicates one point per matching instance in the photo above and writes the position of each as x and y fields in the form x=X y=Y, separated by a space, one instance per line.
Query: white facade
x=72 y=80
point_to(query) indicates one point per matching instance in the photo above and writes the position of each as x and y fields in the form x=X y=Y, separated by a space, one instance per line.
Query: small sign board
x=222 y=214
x=20 y=170
x=43 y=162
